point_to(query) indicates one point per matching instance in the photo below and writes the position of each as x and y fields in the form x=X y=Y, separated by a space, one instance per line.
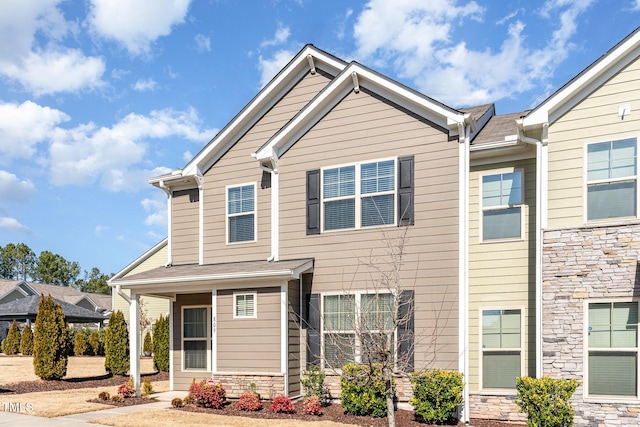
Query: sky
x=98 y=96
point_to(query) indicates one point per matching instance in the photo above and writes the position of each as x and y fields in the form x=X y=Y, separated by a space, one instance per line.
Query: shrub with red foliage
x=126 y=390
x=249 y=402
x=208 y=394
x=282 y=404
x=312 y=405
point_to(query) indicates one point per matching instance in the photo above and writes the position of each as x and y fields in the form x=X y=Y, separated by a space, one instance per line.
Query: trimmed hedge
x=437 y=394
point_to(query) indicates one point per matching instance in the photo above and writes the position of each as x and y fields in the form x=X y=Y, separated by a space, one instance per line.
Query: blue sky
x=98 y=96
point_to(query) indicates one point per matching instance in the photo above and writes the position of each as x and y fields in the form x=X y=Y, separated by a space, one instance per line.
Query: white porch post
x=134 y=340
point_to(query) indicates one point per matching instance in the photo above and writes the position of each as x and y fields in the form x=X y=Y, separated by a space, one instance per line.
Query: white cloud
x=636 y=5
x=143 y=85
x=88 y=153
x=41 y=65
x=136 y=24
x=118 y=73
x=13 y=224
x=14 y=189
x=156 y=208
x=99 y=230
x=415 y=38
x=24 y=125
x=271 y=66
x=280 y=37
x=203 y=43
x=187 y=156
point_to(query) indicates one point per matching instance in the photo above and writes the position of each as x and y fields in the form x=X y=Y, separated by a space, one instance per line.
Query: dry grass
x=20 y=368
x=169 y=417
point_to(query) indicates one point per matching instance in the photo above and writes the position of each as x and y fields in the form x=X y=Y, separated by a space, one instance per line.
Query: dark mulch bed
x=74 y=383
x=404 y=418
x=129 y=401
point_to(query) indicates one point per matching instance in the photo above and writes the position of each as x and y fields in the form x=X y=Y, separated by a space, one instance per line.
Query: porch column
x=134 y=341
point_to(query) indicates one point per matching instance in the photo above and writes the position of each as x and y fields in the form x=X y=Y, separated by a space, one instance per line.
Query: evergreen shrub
x=546 y=401
x=161 y=344
x=26 y=342
x=11 y=344
x=50 y=341
x=79 y=345
x=362 y=390
x=437 y=394
x=116 y=359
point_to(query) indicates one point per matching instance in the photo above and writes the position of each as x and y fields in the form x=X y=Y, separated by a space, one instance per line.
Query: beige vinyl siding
x=184 y=227
x=595 y=119
x=501 y=273
x=293 y=293
x=12 y=296
x=183 y=379
x=249 y=345
x=362 y=127
x=155 y=306
x=238 y=167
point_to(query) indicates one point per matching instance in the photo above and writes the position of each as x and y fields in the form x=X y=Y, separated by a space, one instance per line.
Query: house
x=521 y=236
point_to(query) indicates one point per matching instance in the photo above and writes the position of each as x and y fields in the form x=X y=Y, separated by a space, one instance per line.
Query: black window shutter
x=313 y=331
x=406 y=309
x=405 y=190
x=313 y=202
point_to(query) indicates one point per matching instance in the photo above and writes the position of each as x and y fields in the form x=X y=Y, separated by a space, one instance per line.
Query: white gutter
x=541 y=224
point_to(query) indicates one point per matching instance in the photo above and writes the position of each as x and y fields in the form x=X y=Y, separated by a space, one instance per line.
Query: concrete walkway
x=21 y=420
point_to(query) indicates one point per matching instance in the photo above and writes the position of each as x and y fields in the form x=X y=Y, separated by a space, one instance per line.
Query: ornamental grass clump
x=281 y=404
x=207 y=394
x=249 y=402
x=437 y=394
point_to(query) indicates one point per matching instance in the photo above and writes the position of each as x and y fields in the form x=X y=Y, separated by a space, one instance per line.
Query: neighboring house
x=522 y=236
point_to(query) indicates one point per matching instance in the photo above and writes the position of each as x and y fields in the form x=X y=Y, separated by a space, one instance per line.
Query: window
x=196 y=337
x=244 y=306
x=346 y=314
x=360 y=195
x=241 y=213
x=501 y=348
x=613 y=349
x=611 y=179
x=502 y=206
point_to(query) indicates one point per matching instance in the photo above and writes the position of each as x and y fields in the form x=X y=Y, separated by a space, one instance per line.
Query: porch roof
x=216 y=273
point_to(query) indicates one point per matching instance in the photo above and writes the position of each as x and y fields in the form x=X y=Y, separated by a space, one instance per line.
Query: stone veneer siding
x=580 y=264
x=267 y=386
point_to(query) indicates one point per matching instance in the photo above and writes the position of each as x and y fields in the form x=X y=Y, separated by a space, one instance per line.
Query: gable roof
x=591 y=78
x=309 y=60
x=27 y=308
x=142 y=258
x=356 y=77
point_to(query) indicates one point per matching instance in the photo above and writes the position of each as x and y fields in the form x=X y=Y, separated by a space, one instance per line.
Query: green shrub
x=79 y=345
x=437 y=394
x=116 y=359
x=313 y=382
x=546 y=400
x=147 y=346
x=94 y=343
x=50 y=341
x=26 y=342
x=11 y=344
x=362 y=390
x=161 y=344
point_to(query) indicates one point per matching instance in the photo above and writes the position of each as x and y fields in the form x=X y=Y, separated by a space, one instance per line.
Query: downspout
x=541 y=224
x=275 y=214
x=122 y=294
x=167 y=190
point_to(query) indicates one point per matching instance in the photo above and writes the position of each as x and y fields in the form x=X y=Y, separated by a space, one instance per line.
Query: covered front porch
x=238 y=323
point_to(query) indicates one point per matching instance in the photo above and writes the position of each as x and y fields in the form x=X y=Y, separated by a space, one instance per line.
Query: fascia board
x=593 y=76
x=338 y=88
x=263 y=102
x=170 y=281
x=139 y=260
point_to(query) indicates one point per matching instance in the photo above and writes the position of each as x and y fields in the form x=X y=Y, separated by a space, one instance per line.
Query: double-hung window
x=612 y=179
x=359 y=195
x=353 y=325
x=241 y=213
x=502 y=208
x=613 y=349
x=501 y=348
x=196 y=336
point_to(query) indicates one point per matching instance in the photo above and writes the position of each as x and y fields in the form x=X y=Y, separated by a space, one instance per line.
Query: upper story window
x=359 y=195
x=613 y=349
x=241 y=213
x=502 y=206
x=612 y=179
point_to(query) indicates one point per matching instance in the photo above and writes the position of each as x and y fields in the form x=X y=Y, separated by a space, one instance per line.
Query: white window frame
x=357 y=315
x=587 y=182
x=358 y=196
x=521 y=205
x=208 y=339
x=235 y=305
x=586 y=350
x=481 y=350
x=254 y=212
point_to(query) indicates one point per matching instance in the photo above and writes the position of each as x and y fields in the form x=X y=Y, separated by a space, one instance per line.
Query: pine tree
x=50 y=341
x=161 y=344
x=116 y=359
x=11 y=344
x=26 y=342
